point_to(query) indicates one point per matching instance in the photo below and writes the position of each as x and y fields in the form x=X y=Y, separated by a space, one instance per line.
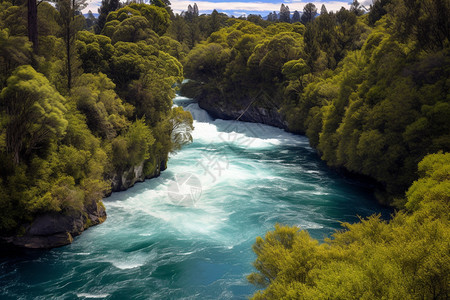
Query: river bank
x=251 y=176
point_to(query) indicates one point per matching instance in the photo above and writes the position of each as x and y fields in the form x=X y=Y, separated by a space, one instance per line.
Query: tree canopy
x=89 y=108
x=405 y=258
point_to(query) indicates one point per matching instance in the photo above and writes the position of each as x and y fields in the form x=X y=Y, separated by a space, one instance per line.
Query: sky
x=241 y=7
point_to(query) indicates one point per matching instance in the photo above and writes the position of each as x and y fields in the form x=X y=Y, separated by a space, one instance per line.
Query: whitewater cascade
x=188 y=233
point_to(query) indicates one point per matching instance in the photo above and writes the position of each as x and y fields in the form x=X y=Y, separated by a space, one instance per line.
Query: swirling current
x=188 y=233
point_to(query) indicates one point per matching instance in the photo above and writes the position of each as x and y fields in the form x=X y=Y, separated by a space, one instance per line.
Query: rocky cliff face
x=56 y=229
x=122 y=181
x=247 y=112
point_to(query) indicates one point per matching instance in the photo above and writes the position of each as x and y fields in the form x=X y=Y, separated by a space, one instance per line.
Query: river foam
x=173 y=237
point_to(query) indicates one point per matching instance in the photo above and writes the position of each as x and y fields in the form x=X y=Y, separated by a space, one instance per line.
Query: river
x=188 y=233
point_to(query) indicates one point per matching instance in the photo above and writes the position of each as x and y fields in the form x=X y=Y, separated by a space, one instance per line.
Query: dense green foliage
x=190 y=28
x=371 y=92
x=83 y=107
x=405 y=258
x=240 y=61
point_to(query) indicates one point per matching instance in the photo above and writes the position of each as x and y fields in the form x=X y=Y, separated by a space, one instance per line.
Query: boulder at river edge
x=54 y=229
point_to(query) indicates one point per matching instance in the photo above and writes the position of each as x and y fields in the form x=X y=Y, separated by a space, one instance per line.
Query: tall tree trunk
x=70 y=40
x=32 y=24
x=69 y=60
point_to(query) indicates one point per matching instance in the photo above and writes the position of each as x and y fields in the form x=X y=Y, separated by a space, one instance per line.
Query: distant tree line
x=369 y=90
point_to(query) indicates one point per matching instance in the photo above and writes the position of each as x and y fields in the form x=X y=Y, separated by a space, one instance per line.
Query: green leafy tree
x=172 y=47
x=285 y=14
x=133 y=147
x=14 y=18
x=95 y=52
x=157 y=17
x=71 y=22
x=151 y=101
x=425 y=21
x=106 y=7
x=34 y=111
x=58 y=153
x=356 y=8
x=217 y=20
x=296 y=17
x=178 y=29
x=129 y=61
x=106 y=115
x=256 y=19
x=48 y=24
x=405 y=258
x=270 y=56
x=90 y=20
x=377 y=10
x=309 y=13
x=133 y=29
x=207 y=62
x=14 y=51
x=432 y=188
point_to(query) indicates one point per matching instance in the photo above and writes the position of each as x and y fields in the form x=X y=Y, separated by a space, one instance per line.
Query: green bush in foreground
x=405 y=258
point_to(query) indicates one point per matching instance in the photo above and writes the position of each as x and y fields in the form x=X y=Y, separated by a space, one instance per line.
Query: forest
x=85 y=100
x=79 y=109
x=371 y=92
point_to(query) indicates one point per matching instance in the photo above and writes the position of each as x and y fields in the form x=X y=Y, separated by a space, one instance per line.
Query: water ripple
x=150 y=248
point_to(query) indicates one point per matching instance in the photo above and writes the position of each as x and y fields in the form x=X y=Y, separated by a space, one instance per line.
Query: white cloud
x=181 y=5
x=239 y=13
x=93 y=5
x=242 y=7
x=366 y=2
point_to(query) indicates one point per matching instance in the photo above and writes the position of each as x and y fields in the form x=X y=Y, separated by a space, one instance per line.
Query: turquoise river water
x=188 y=233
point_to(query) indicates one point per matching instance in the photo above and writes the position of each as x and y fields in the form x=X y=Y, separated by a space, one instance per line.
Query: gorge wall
x=55 y=229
